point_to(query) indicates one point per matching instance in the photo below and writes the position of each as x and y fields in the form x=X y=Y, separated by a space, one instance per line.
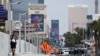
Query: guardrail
x=4 y=43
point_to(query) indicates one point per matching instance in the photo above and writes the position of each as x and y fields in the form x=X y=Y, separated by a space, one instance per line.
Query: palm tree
x=80 y=32
x=70 y=39
x=95 y=25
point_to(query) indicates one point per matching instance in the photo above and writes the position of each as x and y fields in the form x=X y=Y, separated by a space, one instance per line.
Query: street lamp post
x=9 y=14
x=20 y=31
x=10 y=19
x=25 y=34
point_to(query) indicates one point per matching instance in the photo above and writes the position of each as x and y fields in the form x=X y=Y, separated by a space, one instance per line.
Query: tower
x=96 y=7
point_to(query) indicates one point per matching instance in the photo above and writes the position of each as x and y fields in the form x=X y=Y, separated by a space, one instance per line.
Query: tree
x=2 y=30
x=70 y=39
x=95 y=25
x=80 y=32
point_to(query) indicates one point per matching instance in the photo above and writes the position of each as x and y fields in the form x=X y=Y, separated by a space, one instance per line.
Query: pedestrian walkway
x=30 y=54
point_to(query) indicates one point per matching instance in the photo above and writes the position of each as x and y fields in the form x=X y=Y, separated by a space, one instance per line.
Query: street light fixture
x=20 y=30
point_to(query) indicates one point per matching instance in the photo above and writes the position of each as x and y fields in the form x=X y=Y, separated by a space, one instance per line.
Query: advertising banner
x=55 y=29
x=37 y=20
x=3 y=12
x=3 y=15
x=36 y=25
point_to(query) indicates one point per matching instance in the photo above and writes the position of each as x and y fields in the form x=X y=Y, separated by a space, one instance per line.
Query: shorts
x=13 y=44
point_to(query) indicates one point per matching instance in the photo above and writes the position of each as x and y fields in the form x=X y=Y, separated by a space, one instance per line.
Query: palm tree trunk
x=99 y=41
x=96 y=42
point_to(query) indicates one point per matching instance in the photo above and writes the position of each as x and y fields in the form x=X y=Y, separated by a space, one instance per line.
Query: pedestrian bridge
x=23 y=48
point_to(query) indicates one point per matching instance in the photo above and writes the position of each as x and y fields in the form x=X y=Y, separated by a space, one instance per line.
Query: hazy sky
x=58 y=9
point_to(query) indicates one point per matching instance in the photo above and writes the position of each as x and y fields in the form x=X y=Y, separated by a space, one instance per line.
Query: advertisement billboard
x=3 y=12
x=55 y=29
x=3 y=15
x=37 y=20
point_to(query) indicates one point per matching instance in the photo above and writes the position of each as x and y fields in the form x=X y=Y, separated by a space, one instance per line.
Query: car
x=79 y=49
x=66 y=51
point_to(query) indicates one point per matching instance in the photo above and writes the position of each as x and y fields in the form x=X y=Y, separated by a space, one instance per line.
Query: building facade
x=38 y=20
x=77 y=15
x=89 y=30
x=96 y=16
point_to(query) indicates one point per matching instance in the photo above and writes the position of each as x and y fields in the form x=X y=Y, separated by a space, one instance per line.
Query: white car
x=65 y=51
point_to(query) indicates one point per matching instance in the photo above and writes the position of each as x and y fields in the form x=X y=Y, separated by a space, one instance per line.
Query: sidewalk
x=30 y=54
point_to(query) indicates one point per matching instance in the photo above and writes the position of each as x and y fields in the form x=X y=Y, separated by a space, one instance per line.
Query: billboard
x=37 y=20
x=3 y=15
x=3 y=12
x=55 y=29
x=37 y=24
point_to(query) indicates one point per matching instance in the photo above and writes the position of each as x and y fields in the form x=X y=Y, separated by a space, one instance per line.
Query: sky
x=58 y=9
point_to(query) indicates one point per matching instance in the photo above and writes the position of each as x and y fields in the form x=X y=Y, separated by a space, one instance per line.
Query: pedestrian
x=13 y=43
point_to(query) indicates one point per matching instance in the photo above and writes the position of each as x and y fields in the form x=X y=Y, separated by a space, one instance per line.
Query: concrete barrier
x=25 y=47
x=4 y=43
x=5 y=46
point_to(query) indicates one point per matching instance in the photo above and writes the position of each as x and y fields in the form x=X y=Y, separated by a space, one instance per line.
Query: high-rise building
x=38 y=20
x=77 y=15
x=89 y=29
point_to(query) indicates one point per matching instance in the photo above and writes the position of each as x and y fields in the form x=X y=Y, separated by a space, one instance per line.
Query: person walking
x=13 y=43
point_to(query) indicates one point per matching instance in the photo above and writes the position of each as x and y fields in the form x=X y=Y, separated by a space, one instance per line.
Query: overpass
x=24 y=49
